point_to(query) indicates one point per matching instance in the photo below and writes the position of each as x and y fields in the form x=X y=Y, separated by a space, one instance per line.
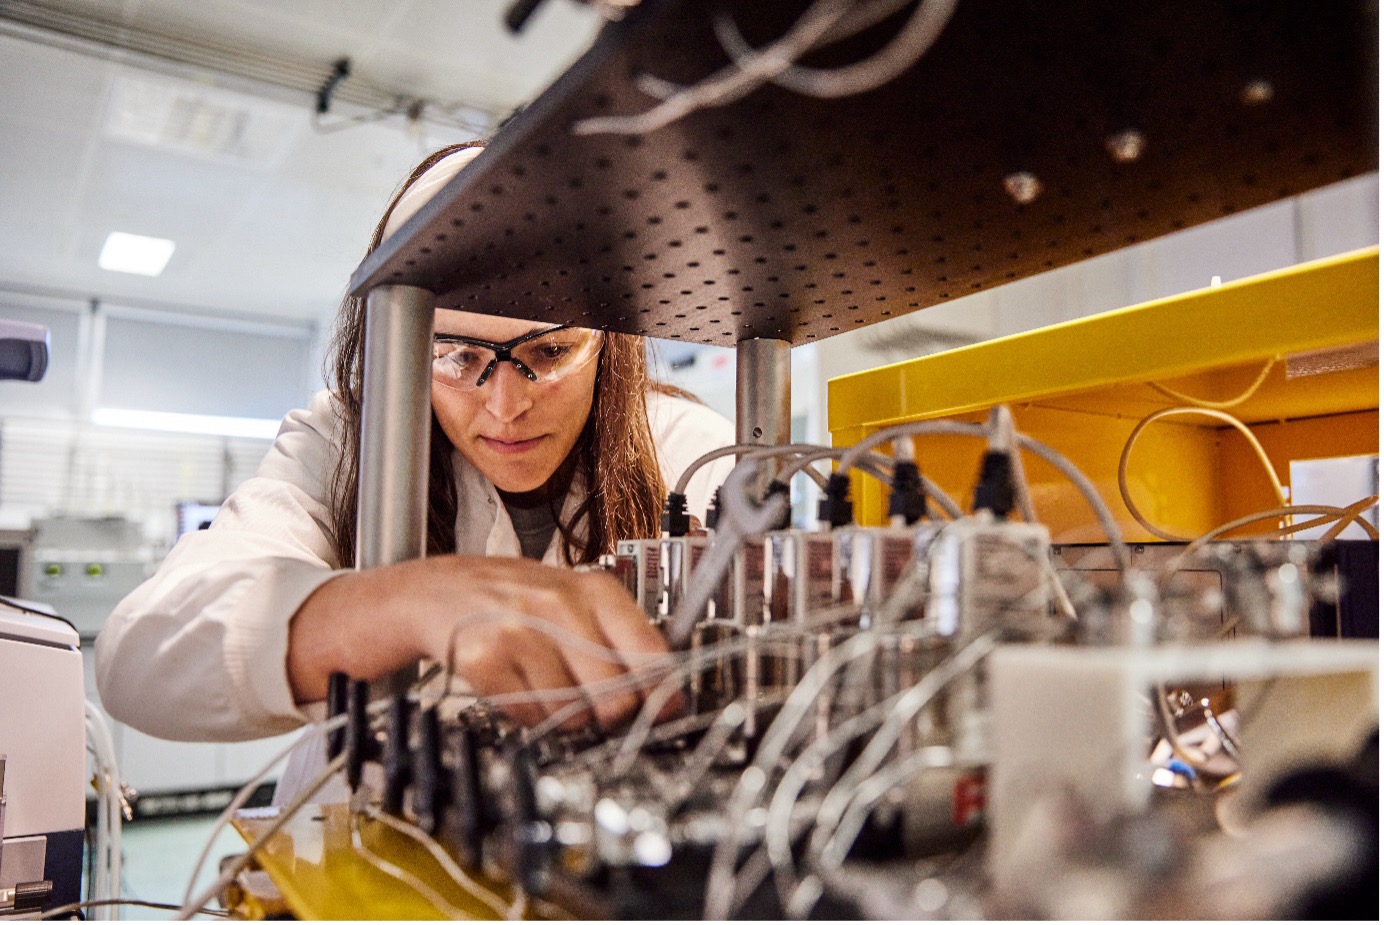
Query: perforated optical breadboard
x=797 y=218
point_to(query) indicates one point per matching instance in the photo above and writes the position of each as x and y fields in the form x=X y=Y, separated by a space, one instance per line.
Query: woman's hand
x=485 y=614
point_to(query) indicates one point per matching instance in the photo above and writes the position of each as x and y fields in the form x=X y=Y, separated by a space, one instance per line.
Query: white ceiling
x=276 y=229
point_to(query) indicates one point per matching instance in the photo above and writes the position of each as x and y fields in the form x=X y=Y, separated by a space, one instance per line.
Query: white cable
x=871 y=790
x=778 y=825
x=407 y=877
x=99 y=885
x=233 y=870
x=243 y=795
x=1054 y=458
x=468 y=883
x=836 y=801
x=109 y=818
x=1122 y=474
x=780 y=734
x=745 y=451
x=730 y=83
x=903 y=51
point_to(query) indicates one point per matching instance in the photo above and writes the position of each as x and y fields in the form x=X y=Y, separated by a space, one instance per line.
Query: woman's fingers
x=544 y=669
x=499 y=646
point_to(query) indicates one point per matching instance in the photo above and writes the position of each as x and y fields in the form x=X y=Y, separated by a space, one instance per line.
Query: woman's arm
x=197 y=652
x=370 y=623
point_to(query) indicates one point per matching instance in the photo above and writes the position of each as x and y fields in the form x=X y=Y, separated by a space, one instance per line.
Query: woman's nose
x=507 y=393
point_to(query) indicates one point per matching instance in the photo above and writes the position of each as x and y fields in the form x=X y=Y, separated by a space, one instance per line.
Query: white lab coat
x=198 y=652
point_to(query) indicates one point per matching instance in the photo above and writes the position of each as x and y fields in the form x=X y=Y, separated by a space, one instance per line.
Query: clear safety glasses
x=545 y=355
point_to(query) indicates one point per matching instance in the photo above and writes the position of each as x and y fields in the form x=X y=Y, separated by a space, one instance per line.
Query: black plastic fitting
x=785 y=519
x=398 y=765
x=338 y=685
x=429 y=787
x=906 y=496
x=675 y=521
x=467 y=808
x=835 y=508
x=995 y=490
x=360 y=744
x=532 y=835
x=713 y=510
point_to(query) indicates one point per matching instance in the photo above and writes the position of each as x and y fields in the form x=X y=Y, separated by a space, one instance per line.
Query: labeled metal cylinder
x=392 y=504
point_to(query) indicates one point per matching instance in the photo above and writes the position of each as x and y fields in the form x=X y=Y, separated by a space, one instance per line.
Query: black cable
x=38 y=613
x=341 y=69
x=517 y=16
x=60 y=911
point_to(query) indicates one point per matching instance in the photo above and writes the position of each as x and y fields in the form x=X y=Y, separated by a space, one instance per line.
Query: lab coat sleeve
x=684 y=430
x=199 y=651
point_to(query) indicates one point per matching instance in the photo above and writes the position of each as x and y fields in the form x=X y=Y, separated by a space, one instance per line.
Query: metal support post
x=763 y=399
x=392 y=506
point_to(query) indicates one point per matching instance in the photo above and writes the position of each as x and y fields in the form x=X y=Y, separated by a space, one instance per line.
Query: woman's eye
x=463 y=358
x=554 y=351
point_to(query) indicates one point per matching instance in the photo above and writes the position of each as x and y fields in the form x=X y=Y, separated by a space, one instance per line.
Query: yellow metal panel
x=322 y=875
x=1082 y=386
x=1313 y=306
x=1355 y=434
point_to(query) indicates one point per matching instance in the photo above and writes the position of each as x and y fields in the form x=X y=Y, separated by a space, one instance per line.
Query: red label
x=968 y=798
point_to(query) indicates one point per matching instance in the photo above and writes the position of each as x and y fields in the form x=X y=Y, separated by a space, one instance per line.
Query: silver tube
x=392 y=507
x=763 y=401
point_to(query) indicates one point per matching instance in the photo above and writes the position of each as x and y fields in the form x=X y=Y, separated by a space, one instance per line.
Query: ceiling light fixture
x=134 y=253
x=255 y=428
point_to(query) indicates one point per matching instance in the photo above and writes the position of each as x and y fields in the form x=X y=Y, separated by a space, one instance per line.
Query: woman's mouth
x=509 y=447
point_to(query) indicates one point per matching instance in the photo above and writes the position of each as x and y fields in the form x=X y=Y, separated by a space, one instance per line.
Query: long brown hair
x=614 y=457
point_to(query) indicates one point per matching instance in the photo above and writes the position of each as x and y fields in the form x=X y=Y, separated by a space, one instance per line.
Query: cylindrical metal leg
x=763 y=400
x=392 y=510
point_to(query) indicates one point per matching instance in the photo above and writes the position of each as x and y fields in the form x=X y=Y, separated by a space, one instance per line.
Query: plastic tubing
x=1038 y=448
x=109 y=809
x=1240 y=399
x=780 y=734
x=836 y=801
x=232 y=871
x=1123 y=475
x=875 y=465
x=746 y=450
x=1346 y=515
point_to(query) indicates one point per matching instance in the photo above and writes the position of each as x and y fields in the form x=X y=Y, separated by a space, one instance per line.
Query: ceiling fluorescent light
x=202 y=121
x=134 y=253
x=256 y=428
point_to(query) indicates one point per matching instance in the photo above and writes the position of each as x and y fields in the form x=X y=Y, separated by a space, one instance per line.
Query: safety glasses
x=545 y=355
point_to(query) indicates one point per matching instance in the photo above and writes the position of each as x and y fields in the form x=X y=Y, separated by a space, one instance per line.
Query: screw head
x=1256 y=93
x=1126 y=147
x=1023 y=187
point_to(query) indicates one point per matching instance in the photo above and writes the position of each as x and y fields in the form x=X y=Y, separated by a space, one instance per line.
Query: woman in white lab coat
x=547 y=444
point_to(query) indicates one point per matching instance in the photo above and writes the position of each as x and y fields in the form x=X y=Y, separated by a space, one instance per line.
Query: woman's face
x=516 y=432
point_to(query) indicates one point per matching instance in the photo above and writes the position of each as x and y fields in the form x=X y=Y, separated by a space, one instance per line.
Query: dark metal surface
x=796 y=218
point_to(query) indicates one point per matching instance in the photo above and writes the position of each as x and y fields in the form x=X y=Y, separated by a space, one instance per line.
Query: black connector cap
x=713 y=510
x=466 y=800
x=676 y=521
x=429 y=782
x=398 y=765
x=835 y=508
x=533 y=838
x=360 y=744
x=32 y=895
x=775 y=487
x=995 y=490
x=337 y=686
x=906 y=496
